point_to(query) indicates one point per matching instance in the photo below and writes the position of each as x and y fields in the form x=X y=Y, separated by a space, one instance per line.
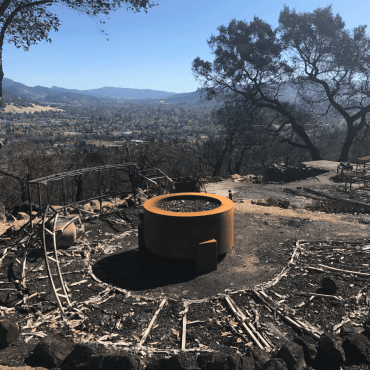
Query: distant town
x=83 y=121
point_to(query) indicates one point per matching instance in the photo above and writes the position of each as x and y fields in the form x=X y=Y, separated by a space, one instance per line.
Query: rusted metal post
x=207 y=256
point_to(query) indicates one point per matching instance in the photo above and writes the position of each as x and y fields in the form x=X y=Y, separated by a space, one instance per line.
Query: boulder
x=261 y=202
x=107 y=207
x=348 y=328
x=329 y=286
x=79 y=359
x=172 y=363
x=51 y=351
x=293 y=355
x=2 y=217
x=253 y=178
x=12 y=231
x=260 y=356
x=95 y=204
x=309 y=346
x=219 y=361
x=10 y=217
x=330 y=346
x=236 y=177
x=25 y=207
x=275 y=364
x=115 y=360
x=357 y=348
x=9 y=333
x=86 y=207
x=23 y=216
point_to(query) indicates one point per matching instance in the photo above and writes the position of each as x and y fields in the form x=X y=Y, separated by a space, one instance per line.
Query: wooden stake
x=183 y=334
x=321 y=296
x=241 y=320
x=249 y=324
x=265 y=299
x=147 y=331
x=344 y=271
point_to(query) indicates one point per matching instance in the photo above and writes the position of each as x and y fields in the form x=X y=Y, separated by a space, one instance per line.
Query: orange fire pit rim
x=152 y=204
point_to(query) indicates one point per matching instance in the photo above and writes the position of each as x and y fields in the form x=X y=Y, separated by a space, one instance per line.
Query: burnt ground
x=118 y=299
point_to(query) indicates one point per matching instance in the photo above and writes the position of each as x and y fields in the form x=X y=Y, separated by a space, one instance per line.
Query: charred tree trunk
x=314 y=151
x=220 y=159
x=1 y=76
x=351 y=132
x=239 y=162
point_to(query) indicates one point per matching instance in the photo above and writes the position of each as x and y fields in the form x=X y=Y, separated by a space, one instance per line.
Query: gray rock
x=79 y=359
x=293 y=355
x=329 y=285
x=87 y=207
x=330 y=346
x=22 y=216
x=259 y=356
x=348 y=328
x=115 y=360
x=51 y=351
x=9 y=333
x=309 y=346
x=10 y=217
x=12 y=231
x=25 y=207
x=275 y=364
x=172 y=363
x=219 y=361
x=95 y=204
x=357 y=348
x=2 y=217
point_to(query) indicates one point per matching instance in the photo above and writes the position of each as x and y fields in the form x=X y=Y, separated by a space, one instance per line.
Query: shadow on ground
x=134 y=270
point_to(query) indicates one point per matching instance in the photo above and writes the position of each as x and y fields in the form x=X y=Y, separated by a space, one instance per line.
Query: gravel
x=187 y=205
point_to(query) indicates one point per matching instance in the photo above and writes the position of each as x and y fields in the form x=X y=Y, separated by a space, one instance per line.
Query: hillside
x=41 y=93
x=107 y=95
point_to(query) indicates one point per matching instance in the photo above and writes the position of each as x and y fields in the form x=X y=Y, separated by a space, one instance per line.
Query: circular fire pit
x=182 y=232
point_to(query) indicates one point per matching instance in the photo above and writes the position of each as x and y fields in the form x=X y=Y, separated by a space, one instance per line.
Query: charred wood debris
x=314 y=313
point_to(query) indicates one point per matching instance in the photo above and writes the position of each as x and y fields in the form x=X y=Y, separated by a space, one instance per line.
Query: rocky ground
x=295 y=284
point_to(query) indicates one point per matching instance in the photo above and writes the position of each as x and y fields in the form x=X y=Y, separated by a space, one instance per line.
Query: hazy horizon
x=145 y=51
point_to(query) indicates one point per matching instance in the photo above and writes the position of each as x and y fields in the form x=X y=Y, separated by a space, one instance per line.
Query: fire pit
x=189 y=226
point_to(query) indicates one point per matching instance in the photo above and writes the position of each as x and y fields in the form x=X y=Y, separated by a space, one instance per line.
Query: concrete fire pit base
x=201 y=236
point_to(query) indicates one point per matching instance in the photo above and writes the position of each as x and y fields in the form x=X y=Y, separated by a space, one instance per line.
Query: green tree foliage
x=24 y=23
x=307 y=51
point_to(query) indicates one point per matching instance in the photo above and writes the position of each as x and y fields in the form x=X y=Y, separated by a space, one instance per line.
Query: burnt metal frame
x=36 y=234
x=64 y=178
x=72 y=183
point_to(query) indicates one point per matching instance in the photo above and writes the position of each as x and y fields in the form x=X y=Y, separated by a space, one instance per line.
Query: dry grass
x=10 y=108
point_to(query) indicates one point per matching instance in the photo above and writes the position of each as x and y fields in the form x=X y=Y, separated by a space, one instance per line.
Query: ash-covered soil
x=117 y=290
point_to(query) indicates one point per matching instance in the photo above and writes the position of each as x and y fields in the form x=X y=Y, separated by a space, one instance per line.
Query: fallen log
x=302 y=194
x=241 y=319
x=338 y=199
x=297 y=323
x=364 y=274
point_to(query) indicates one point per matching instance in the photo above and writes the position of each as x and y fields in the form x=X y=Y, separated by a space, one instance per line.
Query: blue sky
x=146 y=51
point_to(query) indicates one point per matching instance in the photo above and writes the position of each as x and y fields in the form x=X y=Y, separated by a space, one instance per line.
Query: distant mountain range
x=46 y=95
